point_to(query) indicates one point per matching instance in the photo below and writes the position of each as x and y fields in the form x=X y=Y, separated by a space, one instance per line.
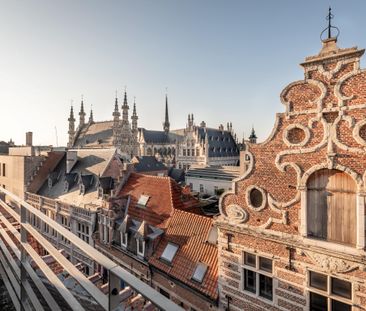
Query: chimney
x=29 y=139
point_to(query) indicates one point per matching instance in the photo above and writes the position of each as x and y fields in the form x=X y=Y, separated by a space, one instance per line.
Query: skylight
x=143 y=200
x=169 y=252
x=200 y=272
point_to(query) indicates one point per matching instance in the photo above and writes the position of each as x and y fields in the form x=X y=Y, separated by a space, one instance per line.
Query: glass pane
x=341 y=288
x=340 y=306
x=249 y=259
x=250 y=281
x=318 y=280
x=265 y=287
x=169 y=252
x=265 y=264
x=318 y=302
x=199 y=272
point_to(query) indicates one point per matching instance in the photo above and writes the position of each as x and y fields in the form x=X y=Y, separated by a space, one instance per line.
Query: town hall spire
x=82 y=113
x=71 y=131
x=166 y=124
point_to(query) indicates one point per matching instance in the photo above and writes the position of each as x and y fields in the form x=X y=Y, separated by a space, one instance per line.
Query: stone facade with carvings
x=292 y=231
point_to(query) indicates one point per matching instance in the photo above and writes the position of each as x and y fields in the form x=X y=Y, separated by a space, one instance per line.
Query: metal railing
x=24 y=285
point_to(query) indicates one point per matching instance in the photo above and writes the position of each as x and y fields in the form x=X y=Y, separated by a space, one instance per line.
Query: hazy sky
x=221 y=60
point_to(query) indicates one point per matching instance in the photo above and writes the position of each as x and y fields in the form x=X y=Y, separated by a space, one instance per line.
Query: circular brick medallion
x=296 y=135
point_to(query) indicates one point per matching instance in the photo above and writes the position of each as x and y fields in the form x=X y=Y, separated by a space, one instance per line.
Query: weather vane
x=329 y=18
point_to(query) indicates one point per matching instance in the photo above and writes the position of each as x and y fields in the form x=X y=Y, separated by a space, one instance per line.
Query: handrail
x=116 y=273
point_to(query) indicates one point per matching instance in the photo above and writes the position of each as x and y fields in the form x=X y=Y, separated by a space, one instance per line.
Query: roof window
x=200 y=272
x=169 y=252
x=143 y=200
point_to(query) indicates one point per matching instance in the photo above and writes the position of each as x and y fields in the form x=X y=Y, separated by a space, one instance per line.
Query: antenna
x=56 y=136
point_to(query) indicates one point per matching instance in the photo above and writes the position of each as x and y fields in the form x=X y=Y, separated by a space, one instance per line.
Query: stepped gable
x=189 y=231
x=50 y=163
x=164 y=194
x=323 y=126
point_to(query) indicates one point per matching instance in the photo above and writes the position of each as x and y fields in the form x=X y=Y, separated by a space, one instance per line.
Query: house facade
x=292 y=230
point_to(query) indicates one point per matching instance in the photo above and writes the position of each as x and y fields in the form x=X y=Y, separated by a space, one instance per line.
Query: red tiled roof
x=190 y=232
x=164 y=193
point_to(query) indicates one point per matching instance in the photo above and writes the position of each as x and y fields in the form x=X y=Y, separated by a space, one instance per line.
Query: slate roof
x=164 y=193
x=156 y=137
x=177 y=174
x=97 y=134
x=147 y=164
x=221 y=143
x=193 y=249
x=90 y=163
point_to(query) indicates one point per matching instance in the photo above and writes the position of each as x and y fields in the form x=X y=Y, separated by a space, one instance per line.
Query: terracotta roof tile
x=190 y=232
x=164 y=193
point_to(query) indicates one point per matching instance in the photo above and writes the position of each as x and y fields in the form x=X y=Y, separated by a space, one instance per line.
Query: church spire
x=253 y=137
x=125 y=109
x=82 y=113
x=116 y=123
x=134 y=117
x=91 y=118
x=166 y=124
x=71 y=131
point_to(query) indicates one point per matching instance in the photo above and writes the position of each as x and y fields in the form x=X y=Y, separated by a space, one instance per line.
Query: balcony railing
x=29 y=292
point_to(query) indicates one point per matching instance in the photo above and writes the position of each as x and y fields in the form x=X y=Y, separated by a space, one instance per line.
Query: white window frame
x=257 y=273
x=328 y=293
x=143 y=247
x=124 y=235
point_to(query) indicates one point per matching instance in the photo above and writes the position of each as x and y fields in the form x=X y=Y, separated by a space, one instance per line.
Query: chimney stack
x=29 y=139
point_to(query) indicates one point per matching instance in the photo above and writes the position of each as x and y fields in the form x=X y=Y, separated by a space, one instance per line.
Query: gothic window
x=197 y=152
x=331 y=207
x=188 y=152
x=149 y=152
x=184 y=152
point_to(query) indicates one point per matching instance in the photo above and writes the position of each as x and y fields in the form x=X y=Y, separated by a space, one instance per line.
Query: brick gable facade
x=287 y=206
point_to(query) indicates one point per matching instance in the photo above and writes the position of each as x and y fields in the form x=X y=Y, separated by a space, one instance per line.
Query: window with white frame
x=258 y=275
x=140 y=247
x=329 y=293
x=124 y=239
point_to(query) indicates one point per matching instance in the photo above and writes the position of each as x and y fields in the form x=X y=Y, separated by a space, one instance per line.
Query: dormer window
x=124 y=239
x=82 y=189
x=199 y=272
x=140 y=247
x=66 y=187
x=169 y=252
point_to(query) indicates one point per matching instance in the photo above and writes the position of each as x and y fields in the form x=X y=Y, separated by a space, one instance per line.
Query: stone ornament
x=331 y=264
x=236 y=214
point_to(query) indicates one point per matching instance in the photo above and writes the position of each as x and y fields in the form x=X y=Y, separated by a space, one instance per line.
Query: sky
x=223 y=61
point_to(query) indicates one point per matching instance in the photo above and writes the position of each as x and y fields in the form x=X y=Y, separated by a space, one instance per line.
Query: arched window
x=331 y=206
x=149 y=152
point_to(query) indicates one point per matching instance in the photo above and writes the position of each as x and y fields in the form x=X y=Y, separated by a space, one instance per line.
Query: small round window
x=256 y=198
x=362 y=132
